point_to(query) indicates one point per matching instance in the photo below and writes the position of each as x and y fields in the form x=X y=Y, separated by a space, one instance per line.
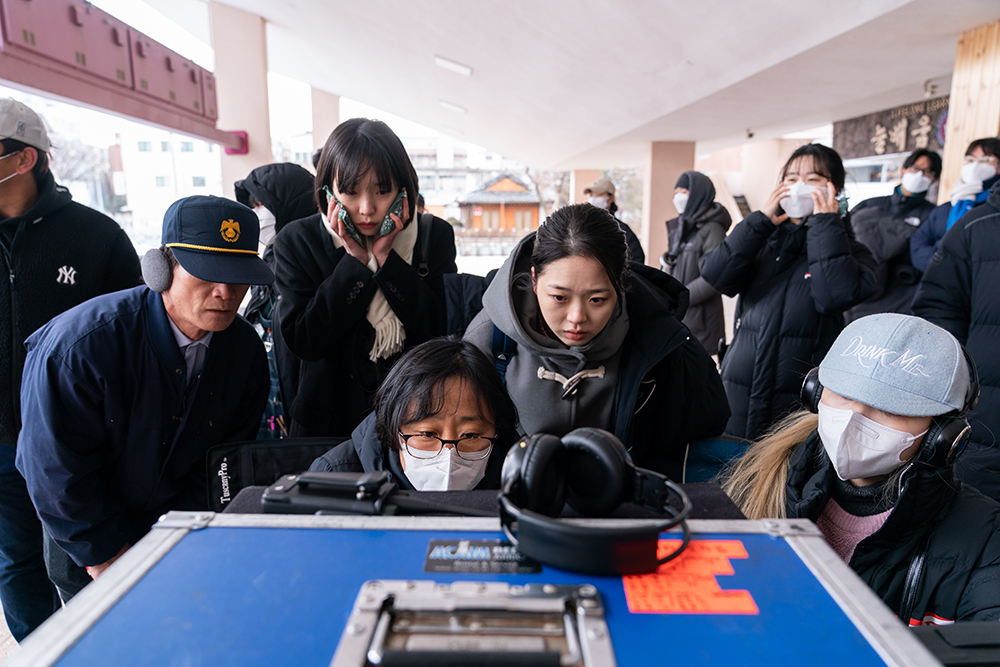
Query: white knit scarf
x=389 y=331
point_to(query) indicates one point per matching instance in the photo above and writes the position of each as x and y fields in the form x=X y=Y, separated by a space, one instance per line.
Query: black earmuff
x=948 y=434
x=591 y=470
x=156 y=270
x=811 y=391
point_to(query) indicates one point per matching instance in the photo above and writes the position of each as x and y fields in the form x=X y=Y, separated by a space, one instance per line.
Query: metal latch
x=188 y=520
x=398 y=622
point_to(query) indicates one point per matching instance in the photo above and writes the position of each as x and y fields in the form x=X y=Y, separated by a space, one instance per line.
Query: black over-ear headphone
x=592 y=470
x=948 y=434
x=156 y=270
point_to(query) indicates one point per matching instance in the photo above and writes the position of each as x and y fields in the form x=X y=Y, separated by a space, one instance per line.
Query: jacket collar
x=158 y=329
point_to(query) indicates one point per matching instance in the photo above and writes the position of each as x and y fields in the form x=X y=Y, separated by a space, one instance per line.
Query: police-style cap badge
x=215 y=239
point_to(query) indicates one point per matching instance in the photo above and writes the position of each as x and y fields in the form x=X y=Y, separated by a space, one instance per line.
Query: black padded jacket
x=794 y=283
x=960 y=293
x=961 y=571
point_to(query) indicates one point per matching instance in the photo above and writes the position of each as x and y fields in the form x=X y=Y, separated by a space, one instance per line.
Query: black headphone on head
x=948 y=434
x=591 y=470
x=157 y=272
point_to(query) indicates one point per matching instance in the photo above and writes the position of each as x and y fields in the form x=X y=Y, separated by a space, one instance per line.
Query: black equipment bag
x=232 y=466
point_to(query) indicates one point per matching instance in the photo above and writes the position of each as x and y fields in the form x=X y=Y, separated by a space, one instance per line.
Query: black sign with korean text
x=899 y=130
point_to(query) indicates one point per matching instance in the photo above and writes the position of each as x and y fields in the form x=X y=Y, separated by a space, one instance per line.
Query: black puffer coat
x=325 y=295
x=884 y=225
x=794 y=283
x=961 y=293
x=691 y=241
x=961 y=580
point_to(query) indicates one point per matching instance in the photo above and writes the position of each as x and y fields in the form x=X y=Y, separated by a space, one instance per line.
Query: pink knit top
x=844 y=531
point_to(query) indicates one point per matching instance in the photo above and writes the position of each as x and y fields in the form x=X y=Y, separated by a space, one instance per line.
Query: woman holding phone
x=362 y=281
x=796 y=268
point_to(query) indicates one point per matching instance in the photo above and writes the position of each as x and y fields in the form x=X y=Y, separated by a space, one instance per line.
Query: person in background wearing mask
x=960 y=293
x=601 y=194
x=443 y=421
x=279 y=193
x=57 y=254
x=796 y=269
x=885 y=225
x=979 y=173
x=875 y=470
x=698 y=229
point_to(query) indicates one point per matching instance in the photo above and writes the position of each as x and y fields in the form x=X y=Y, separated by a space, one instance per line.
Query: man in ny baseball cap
x=167 y=370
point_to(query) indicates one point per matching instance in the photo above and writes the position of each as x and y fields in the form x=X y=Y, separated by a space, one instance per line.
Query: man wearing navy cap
x=123 y=395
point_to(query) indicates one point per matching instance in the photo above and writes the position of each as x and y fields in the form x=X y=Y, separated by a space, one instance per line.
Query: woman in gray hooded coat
x=698 y=230
x=593 y=340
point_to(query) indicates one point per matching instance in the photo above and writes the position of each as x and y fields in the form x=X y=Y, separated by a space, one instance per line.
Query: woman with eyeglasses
x=442 y=422
x=979 y=173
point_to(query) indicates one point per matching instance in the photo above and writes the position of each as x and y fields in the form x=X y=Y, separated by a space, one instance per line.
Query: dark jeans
x=26 y=593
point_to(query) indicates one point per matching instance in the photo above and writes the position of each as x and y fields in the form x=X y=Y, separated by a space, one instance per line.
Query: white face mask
x=445 y=472
x=4 y=157
x=859 y=447
x=977 y=172
x=267 y=223
x=680 y=202
x=599 y=202
x=799 y=202
x=916 y=181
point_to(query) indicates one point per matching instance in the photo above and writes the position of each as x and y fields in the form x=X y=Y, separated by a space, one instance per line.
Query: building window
x=491 y=219
x=198 y=181
x=145 y=146
x=187 y=147
x=165 y=146
x=161 y=181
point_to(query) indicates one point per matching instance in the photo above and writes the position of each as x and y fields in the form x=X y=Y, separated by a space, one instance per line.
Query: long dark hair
x=414 y=388
x=826 y=162
x=582 y=230
x=357 y=146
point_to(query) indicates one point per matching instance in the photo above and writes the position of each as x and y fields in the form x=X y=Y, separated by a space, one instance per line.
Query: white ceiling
x=587 y=84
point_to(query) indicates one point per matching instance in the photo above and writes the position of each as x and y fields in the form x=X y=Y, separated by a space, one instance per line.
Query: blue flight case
x=205 y=589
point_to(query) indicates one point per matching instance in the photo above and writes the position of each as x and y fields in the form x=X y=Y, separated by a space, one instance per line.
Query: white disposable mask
x=445 y=472
x=799 y=202
x=267 y=223
x=4 y=157
x=916 y=181
x=977 y=172
x=599 y=202
x=680 y=202
x=859 y=447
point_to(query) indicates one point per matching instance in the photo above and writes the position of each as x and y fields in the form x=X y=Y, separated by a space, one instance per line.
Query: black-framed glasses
x=470 y=448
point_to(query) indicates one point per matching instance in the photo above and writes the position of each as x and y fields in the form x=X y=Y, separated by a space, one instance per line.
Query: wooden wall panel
x=975 y=98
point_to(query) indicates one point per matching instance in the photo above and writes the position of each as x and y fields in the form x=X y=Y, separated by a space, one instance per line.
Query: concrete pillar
x=762 y=162
x=665 y=162
x=326 y=116
x=974 y=105
x=241 y=84
x=578 y=180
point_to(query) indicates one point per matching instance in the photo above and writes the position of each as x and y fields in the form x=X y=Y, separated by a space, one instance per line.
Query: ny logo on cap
x=230 y=231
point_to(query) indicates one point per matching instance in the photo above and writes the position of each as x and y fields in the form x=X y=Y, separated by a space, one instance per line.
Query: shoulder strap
x=503 y=348
x=424 y=222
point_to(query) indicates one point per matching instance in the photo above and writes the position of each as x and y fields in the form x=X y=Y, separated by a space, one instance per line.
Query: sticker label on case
x=688 y=584
x=490 y=556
